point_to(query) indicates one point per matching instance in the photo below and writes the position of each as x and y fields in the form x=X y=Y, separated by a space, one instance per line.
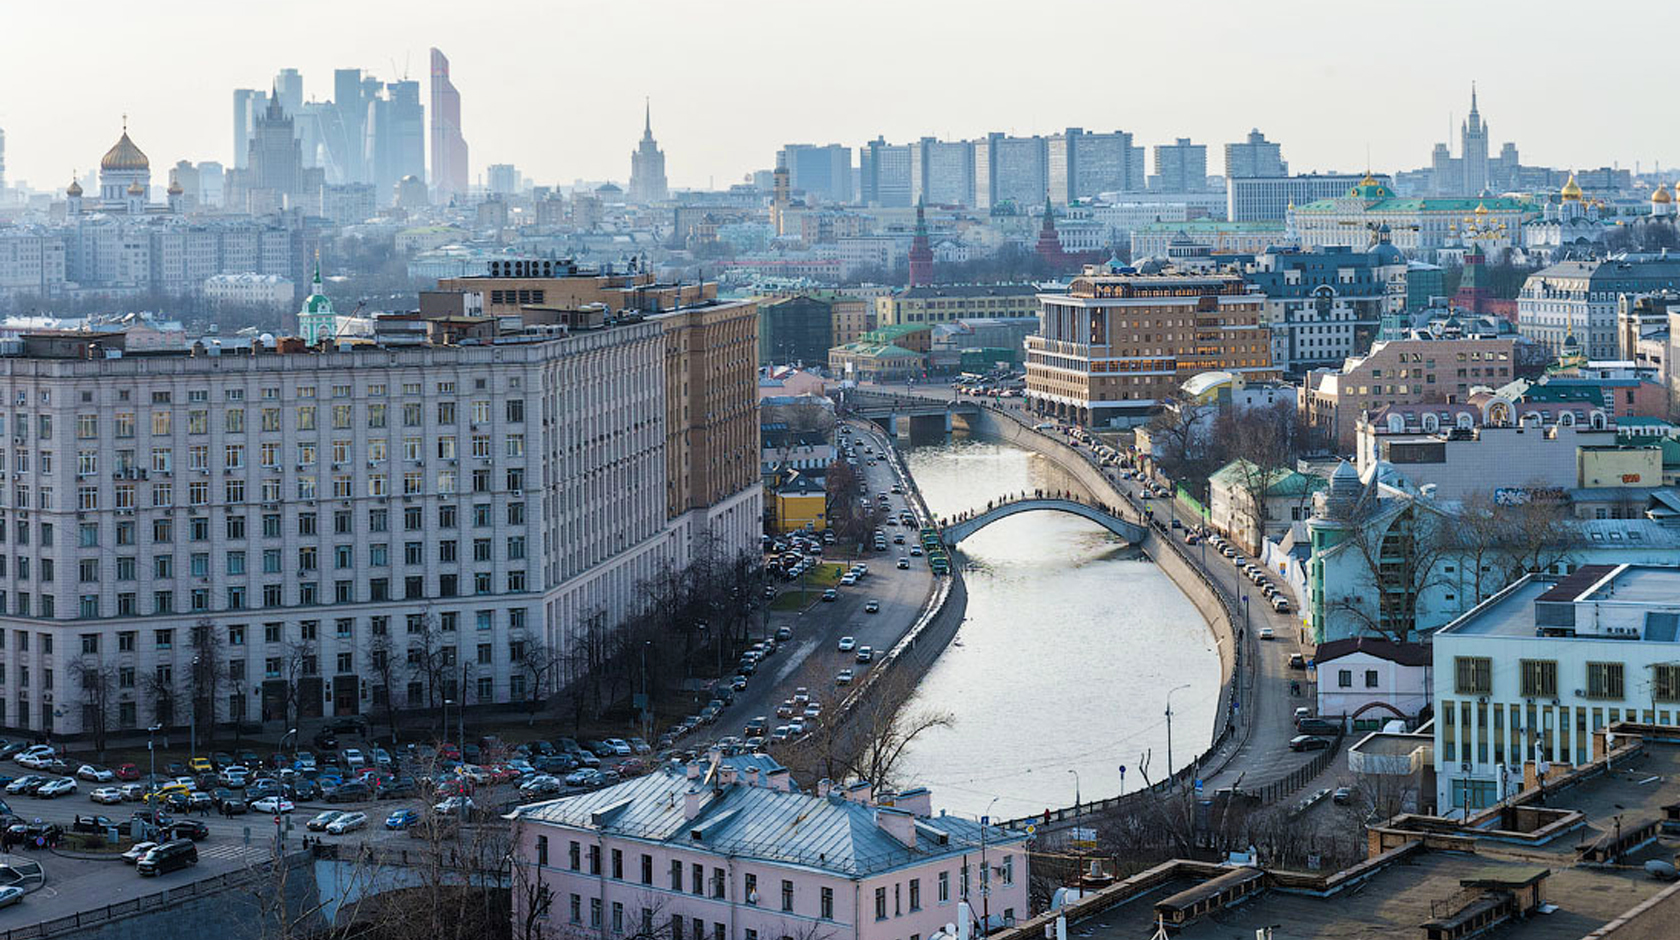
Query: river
x=1071 y=643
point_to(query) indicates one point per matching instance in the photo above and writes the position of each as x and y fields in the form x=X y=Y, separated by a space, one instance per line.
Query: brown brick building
x=1113 y=347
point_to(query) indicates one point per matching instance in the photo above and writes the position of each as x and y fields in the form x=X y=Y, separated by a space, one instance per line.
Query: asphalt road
x=811 y=658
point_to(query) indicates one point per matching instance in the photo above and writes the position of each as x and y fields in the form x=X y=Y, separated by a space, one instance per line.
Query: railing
x=147 y=903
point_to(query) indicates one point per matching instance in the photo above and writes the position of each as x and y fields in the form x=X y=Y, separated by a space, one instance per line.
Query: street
x=811 y=658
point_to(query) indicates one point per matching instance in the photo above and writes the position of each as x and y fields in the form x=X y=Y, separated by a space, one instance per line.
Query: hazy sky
x=556 y=87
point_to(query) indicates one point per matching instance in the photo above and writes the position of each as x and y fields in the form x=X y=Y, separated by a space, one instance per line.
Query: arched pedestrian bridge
x=957 y=531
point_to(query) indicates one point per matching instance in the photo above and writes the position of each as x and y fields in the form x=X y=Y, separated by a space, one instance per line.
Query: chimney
x=752 y=776
x=824 y=786
x=692 y=801
x=917 y=802
x=694 y=769
x=898 y=824
x=780 y=779
x=860 y=792
x=726 y=774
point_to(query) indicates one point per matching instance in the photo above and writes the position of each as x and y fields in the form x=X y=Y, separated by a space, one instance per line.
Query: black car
x=222 y=759
x=170 y=856
x=1308 y=742
x=1317 y=726
x=325 y=740
x=257 y=789
x=96 y=824
x=304 y=788
x=400 y=787
x=10 y=748
x=228 y=802
x=348 y=791
x=187 y=829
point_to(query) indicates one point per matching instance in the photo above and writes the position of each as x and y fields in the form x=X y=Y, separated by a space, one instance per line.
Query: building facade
x=1116 y=345
x=1255 y=156
x=1579 y=299
x=1327 y=304
x=944 y=303
x=1401 y=372
x=449 y=149
x=738 y=854
x=1540 y=670
x=647 y=167
x=1268 y=198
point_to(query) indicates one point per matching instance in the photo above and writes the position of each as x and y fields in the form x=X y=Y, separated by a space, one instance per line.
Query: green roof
x=1284 y=482
x=893 y=331
x=878 y=350
x=1642 y=421
x=1428 y=204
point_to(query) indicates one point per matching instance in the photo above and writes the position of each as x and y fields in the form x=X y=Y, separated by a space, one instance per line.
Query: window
x=1665 y=682
x=1539 y=678
x=574 y=857
x=594 y=859
x=915 y=894
x=1344 y=678
x=676 y=879
x=1604 y=680
x=542 y=850
x=1370 y=678
x=647 y=869
x=787 y=895
x=827 y=911
x=749 y=883
x=944 y=887
x=881 y=903
x=1474 y=675
x=718 y=882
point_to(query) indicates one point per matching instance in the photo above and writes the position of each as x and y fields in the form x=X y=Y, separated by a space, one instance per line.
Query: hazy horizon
x=557 y=88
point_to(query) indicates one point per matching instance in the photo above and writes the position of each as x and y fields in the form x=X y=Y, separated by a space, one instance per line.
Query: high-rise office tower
x=1082 y=164
x=1256 y=156
x=395 y=144
x=1180 y=167
x=288 y=85
x=248 y=104
x=647 y=165
x=350 y=99
x=449 y=148
x=884 y=171
x=942 y=172
x=824 y=173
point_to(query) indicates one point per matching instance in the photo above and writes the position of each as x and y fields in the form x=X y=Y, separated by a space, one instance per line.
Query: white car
x=57 y=788
x=453 y=805
x=474 y=773
x=10 y=894
x=273 y=804
x=322 y=821
x=1266 y=633
x=349 y=822
x=844 y=677
x=847 y=644
x=106 y=795
x=95 y=774
x=620 y=746
x=138 y=850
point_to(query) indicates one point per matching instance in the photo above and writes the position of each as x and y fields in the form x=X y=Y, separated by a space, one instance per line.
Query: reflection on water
x=1071 y=643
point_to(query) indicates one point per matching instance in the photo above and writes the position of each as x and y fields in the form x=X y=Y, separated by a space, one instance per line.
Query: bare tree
x=382 y=660
x=204 y=678
x=1400 y=554
x=98 y=683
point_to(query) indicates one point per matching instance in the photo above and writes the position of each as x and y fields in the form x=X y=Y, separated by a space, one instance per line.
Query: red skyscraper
x=449 y=148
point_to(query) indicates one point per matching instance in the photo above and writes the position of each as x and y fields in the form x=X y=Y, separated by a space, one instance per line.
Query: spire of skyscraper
x=647 y=164
x=647 y=118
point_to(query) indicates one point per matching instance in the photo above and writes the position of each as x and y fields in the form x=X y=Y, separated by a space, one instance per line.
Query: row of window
x=309 y=593
x=1539 y=678
x=235 y=525
x=309 y=631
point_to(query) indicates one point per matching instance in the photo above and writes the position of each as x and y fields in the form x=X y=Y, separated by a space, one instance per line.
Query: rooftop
x=830 y=833
x=1587 y=604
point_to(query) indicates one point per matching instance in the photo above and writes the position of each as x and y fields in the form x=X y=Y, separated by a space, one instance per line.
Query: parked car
x=187 y=829
x=93 y=773
x=1317 y=726
x=273 y=804
x=455 y=805
x=349 y=822
x=127 y=772
x=1297 y=661
x=348 y=791
x=402 y=819
x=1342 y=796
x=56 y=788
x=10 y=894
x=1308 y=742
x=322 y=820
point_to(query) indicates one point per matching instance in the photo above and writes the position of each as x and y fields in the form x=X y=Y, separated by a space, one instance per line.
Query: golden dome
x=1481 y=208
x=175 y=188
x=135 y=189
x=123 y=155
x=1571 y=190
x=75 y=189
x=1660 y=194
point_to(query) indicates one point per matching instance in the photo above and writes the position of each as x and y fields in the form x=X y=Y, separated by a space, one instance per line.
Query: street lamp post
x=151 y=782
x=192 y=710
x=1077 y=803
x=1169 y=730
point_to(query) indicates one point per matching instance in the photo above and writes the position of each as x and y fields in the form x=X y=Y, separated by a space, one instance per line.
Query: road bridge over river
x=960 y=529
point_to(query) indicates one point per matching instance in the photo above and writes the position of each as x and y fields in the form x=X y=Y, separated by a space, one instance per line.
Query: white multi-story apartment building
x=318 y=529
x=267 y=291
x=1533 y=673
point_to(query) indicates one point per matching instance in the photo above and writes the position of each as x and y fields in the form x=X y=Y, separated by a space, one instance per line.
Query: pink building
x=738 y=853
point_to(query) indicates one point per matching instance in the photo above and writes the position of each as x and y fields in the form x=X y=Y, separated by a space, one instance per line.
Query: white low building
x=1534 y=671
x=257 y=291
x=1368 y=681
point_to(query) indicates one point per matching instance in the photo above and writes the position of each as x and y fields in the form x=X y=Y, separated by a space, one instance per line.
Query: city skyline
x=176 y=112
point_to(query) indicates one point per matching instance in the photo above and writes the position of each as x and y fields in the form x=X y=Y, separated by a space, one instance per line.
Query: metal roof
x=826 y=833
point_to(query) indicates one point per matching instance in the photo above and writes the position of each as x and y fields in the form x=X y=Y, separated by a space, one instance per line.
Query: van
x=1279 y=604
x=170 y=856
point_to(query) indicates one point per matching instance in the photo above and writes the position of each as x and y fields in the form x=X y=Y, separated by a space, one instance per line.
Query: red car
x=127 y=772
x=501 y=773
